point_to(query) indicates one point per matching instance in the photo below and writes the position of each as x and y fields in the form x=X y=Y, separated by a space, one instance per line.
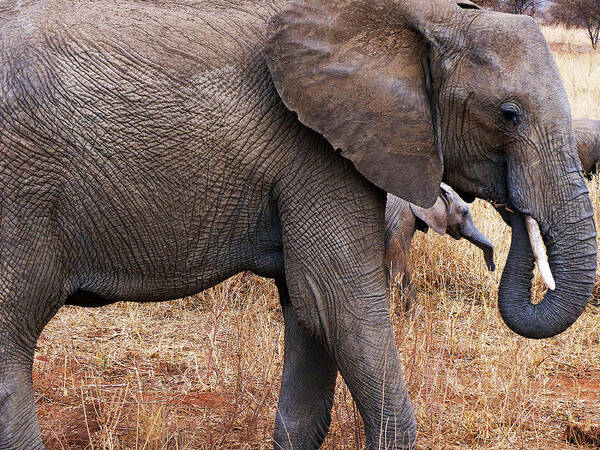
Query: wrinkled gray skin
x=450 y=214
x=148 y=153
x=587 y=132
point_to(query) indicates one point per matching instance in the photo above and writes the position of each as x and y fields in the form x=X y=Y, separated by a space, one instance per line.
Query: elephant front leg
x=373 y=373
x=307 y=386
x=336 y=277
x=358 y=333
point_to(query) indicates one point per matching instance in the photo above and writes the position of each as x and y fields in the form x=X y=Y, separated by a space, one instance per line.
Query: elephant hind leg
x=18 y=421
x=307 y=387
x=31 y=292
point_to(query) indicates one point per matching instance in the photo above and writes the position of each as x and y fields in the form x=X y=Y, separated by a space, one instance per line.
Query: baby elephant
x=450 y=214
x=588 y=144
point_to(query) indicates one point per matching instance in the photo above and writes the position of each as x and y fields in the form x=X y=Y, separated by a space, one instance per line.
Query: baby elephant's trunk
x=473 y=235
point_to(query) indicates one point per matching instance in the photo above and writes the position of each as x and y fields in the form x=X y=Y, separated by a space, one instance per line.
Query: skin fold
x=587 y=132
x=150 y=150
x=449 y=215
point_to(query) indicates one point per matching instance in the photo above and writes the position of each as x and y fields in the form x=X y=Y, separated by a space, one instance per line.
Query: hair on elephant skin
x=449 y=215
x=587 y=132
x=151 y=150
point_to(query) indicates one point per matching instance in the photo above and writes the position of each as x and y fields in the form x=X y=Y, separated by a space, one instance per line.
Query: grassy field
x=204 y=372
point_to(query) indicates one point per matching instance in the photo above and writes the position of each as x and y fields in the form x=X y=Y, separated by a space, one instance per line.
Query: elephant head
x=412 y=92
x=587 y=132
x=452 y=215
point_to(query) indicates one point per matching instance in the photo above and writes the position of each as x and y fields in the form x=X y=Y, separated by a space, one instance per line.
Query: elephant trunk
x=571 y=249
x=476 y=237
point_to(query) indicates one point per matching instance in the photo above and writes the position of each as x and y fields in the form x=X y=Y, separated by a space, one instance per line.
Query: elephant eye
x=511 y=112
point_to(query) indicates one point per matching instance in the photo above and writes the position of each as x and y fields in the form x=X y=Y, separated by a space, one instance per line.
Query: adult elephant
x=449 y=215
x=151 y=150
x=587 y=132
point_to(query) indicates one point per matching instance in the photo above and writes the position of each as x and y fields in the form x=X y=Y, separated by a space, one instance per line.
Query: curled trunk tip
x=572 y=257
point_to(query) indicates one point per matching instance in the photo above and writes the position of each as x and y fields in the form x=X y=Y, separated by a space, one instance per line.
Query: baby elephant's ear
x=435 y=217
x=357 y=71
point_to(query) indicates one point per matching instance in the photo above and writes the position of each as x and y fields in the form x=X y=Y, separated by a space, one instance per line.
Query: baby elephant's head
x=452 y=215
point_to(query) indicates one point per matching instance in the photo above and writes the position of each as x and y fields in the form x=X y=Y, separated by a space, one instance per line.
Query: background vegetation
x=583 y=14
x=204 y=372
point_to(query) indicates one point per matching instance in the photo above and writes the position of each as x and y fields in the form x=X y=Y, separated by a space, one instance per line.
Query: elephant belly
x=136 y=246
x=162 y=278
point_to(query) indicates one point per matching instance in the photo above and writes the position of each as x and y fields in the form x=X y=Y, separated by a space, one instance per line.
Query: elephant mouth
x=454 y=233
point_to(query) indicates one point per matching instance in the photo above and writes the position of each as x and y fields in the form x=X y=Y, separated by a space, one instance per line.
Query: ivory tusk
x=539 y=251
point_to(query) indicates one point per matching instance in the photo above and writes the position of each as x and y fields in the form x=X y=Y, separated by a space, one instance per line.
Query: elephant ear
x=358 y=73
x=450 y=195
x=435 y=217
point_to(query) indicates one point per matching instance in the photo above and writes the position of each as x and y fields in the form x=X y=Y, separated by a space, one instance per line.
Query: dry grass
x=580 y=66
x=204 y=372
x=567 y=39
